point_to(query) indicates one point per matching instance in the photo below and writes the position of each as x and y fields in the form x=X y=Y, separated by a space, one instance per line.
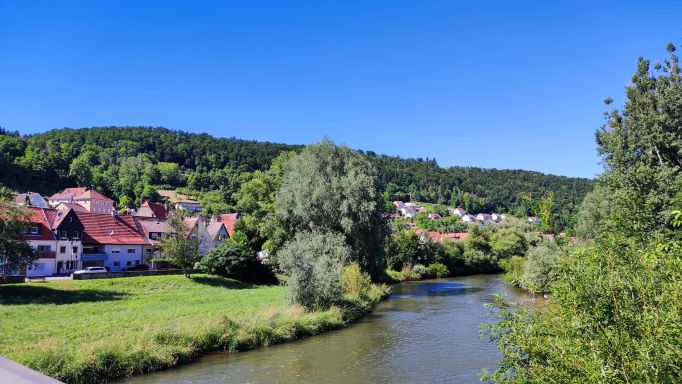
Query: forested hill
x=130 y=162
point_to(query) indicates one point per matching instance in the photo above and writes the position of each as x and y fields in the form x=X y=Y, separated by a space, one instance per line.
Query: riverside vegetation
x=92 y=331
x=615 y=308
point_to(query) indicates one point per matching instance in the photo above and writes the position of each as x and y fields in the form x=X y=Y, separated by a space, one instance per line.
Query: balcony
x=47 y=254
x=94 y=256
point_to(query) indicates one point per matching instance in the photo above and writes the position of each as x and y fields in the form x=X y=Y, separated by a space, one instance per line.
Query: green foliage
x=229 y=259
x=333 y=189
x=541 y=268
x=514 y=269
x=508 y=242
x=356 y=282
x=169 y=320
x=179 y=247
x=15 y=252
x=613 y=318
x=313 y=260
x=593 y=213
x=438 y=270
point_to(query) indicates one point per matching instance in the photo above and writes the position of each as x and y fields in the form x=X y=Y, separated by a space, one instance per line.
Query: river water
x=427 y=332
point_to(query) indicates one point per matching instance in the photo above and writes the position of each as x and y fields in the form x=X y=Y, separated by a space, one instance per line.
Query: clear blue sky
x=490 y=84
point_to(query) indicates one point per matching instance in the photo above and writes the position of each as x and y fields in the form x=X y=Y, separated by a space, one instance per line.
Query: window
x=194 y=236
x=74 y=250
x=153 y=235
x=137 y=262
x=63 y=235
x=115 y=251
x=34 y=230
x=76 y=235
x=44 y=248
x=131 y=250
x=128 y=263
x=148 y=250
x=62 y=249
x=117 y=263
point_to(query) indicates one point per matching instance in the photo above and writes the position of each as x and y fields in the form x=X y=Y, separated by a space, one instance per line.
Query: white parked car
x=91 y=270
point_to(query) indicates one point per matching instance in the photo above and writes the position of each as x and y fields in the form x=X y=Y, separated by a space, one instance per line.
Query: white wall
x=123 y=257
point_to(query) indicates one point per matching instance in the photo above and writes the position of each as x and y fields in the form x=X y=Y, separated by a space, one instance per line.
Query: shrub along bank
x=99 y=330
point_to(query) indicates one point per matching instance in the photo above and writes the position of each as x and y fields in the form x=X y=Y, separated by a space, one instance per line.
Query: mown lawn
x=97 y=330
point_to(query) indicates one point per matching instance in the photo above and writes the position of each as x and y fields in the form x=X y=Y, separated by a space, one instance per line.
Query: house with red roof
x=91 y=200
x=113 y=241
x=230 y=220
x=149 y=209
x=57 y=237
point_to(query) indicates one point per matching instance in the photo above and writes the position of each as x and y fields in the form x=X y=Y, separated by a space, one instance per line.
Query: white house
x=468 y=219
x=56 y=236
x=113 y=241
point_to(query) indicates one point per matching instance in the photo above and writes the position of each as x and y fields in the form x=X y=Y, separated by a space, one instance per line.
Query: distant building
x=484 y=217
x=534 y=220
x=468 y=218
x=439 y=237
x=113 y=241
x=30 y=199
x=435 y=216
x=91 y=200
x=191 y=206
x=149 y=209
x=458 y=211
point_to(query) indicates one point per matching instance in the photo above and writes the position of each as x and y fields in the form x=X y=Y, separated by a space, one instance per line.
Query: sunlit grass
x=94 y=330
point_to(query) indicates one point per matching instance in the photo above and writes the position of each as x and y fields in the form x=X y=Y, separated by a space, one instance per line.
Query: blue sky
x=489 y=84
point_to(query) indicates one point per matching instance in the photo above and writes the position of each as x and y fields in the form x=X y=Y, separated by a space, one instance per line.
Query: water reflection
x=428 y=332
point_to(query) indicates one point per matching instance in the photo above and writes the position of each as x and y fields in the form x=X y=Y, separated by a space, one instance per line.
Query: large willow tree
x=330 y=188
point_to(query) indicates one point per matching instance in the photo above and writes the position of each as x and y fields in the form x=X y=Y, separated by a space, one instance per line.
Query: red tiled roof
x=158 y=210
x=108 y=229
x=38 y=217
x=91 y=195
x=229 y=219
x=68 y=193
x=74 y=206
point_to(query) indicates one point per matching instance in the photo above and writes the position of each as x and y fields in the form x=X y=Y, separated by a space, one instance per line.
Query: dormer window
x=34 y=230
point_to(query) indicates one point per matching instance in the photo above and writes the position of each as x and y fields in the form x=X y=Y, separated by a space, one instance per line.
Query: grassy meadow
x=96 y=330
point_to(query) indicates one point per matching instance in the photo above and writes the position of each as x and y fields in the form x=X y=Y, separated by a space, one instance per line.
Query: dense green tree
x=230 y=258
x=332 y=188
x=15 y=252
x=313 y=262
x=179 y=247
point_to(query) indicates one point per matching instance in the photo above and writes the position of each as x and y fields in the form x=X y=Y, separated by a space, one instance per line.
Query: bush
x=514 y=269
x=312 y=261
x=356 y=282
x=541 y=268
x=438 y=270
x=228 y=259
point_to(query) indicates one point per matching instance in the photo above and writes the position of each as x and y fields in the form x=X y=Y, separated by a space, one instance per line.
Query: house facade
x=57 y=237
x=113 y=241
x=91 y=200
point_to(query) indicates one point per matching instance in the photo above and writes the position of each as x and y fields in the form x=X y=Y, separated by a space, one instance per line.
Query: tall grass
x=99 y=330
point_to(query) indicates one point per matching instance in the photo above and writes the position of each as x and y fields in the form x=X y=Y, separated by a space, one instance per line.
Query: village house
x=30 y=199
x=191 y=206
x=398 y=204
x=435 y=216
x=458 y=211
x=498 y=216
x=230 y=220
x=534 y=220
x=113 y=241
x=468 y=219
x=56 y=235
x=91 y=200
x=484 y=217
x=149 y=209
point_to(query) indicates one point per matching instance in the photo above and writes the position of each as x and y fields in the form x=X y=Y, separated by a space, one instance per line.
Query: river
x=427 y=332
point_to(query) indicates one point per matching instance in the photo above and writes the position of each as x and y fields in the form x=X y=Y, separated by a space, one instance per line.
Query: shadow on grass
x=30 y=294
x=216 y=281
